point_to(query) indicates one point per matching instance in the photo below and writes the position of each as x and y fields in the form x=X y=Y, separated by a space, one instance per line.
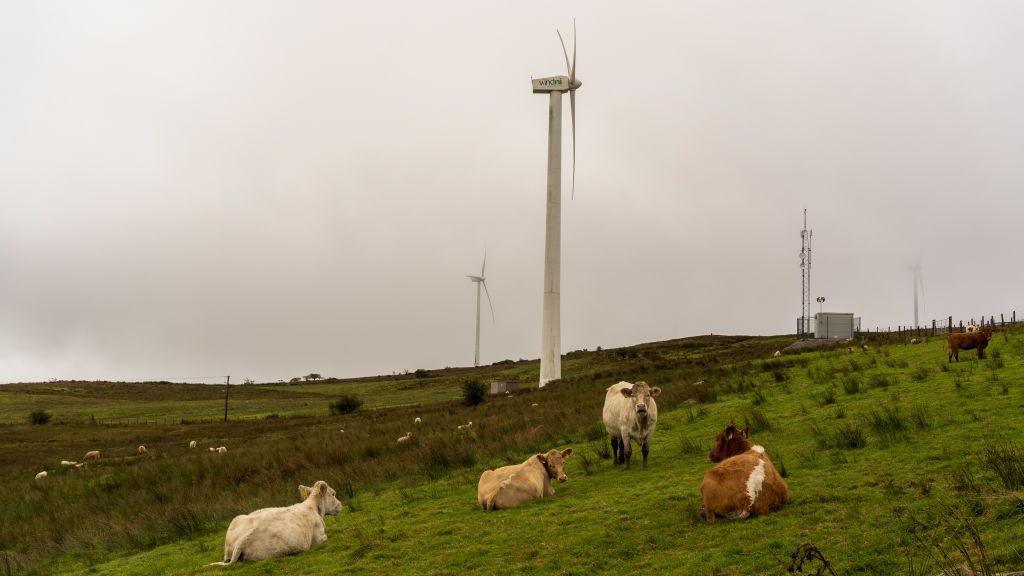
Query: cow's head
x=327 y=503
x=554 y=463
x=729 y=442
x=642 y=396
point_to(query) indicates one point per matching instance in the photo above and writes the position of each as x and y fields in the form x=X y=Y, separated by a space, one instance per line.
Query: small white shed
x=834 y=325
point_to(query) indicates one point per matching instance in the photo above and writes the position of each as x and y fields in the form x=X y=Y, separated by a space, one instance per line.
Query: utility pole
x=227 y=386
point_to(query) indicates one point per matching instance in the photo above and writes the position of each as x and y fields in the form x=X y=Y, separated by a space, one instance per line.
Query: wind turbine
x=918 y=283
x=555 y=86
x=480 y=281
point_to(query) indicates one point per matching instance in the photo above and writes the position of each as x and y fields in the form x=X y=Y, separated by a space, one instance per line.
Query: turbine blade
x=572 y=109
x=484 y=265
x=572 y=71
x=567 y=67
x=489 y=305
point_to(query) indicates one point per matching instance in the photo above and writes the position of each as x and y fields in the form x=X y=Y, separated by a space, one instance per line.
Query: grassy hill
x=893 y=458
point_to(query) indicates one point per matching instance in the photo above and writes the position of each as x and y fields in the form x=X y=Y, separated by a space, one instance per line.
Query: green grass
x=931 y=441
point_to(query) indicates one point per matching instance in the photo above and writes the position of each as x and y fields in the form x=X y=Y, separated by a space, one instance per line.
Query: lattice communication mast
x=804 y=324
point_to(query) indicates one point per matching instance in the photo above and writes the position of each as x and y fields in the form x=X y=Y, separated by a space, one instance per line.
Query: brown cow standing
x=743 y=482
x=969 y=341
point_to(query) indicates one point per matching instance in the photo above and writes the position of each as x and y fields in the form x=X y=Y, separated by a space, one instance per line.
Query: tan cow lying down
x=510 y=486
x=272 y=532
x=743 y=482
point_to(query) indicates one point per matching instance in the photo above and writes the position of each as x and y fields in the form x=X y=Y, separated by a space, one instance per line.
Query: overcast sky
x=265 y=189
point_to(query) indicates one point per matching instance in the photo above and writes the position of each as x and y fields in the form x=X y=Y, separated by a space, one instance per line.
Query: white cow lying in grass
x=273 y=532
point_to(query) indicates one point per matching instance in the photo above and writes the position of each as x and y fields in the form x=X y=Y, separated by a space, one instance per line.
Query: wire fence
x=156 y=420
x=948 y=324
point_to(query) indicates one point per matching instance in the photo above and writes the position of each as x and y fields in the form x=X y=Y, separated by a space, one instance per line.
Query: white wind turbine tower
x=918 y=283
x=480 y=281
x=555 y=86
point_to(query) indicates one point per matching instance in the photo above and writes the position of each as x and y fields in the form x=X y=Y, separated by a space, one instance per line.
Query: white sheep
x=406 y=438
x=41 y=475
x=418 y=420
x=192 y=444
x=222 y=450
x=777 y=353
x=67 y=463
x=465 y=426
x=142 y=450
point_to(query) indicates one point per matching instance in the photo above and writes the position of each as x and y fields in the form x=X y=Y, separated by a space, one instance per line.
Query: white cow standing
x=630 y=414
x=273 y=532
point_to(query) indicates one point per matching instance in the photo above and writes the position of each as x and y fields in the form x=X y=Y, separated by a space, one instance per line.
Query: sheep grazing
x=79 y=464
x=777 y=353
x=534 y=405
x=342 y=431
x=67 y=463
x=41 y=475
x=466 y=426
x=92 y=455
x=915 y=340
x=142 y=450
x=850 y=349
x=212 y=449
x=864 y=347
x=418 y=420
x=222 y=450
x=406 y=438
x=192 y=444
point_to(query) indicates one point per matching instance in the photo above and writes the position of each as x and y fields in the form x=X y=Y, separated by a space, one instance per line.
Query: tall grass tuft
x=887 y=422
x=851 y=384
x=757 y=421
x=920 y=374
x=919 y=415
x=829 y=397
x=879 y=381
x=1007 y=462
x=691 y=446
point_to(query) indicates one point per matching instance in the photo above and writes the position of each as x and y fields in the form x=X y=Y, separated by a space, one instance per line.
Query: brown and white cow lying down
x=969 y=341
x=510 y=486
x=272 y=532
x=743 y=482
x=630 y=414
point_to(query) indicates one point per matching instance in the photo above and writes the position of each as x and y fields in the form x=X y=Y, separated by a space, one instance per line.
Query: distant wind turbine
x=555 y=86
x=480 y=280
x=918 y=284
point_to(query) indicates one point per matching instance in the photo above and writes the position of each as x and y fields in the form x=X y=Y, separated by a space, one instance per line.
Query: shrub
x=346 y=404
x=39 y=417
x=473 y=392
x=420 y=373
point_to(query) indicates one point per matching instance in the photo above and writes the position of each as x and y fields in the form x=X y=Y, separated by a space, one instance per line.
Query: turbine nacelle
x=555 y=84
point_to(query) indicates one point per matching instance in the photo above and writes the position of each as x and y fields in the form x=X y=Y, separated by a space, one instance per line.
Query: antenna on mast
x=803 y=325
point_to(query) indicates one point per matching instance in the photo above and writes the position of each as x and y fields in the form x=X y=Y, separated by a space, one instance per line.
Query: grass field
x=893 y=458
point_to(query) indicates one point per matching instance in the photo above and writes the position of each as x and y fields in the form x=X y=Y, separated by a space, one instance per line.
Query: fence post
x=992 y=321
x=1014 y=317
x=933 y=327
x=1002 y=320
